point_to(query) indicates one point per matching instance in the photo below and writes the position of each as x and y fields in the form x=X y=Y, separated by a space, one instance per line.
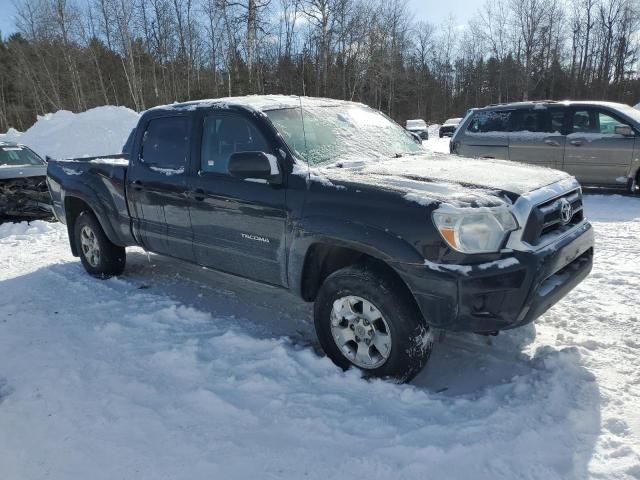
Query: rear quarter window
x=490 y=121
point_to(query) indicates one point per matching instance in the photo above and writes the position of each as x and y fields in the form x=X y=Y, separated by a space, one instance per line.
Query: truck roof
x=260 y=103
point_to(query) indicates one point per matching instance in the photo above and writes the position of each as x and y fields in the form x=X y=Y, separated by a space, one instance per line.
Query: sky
x=7 y=12
x=433 y=11
x=438 y=11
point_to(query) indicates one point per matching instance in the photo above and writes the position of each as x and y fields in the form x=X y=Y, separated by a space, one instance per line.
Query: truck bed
x=100 y=183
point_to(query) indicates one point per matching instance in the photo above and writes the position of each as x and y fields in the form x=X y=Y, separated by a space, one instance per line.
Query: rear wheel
x=364 y=319
x=99 y=256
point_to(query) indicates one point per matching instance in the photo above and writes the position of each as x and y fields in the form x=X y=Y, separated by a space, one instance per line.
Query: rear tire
x=377 y=323
x=99 y=256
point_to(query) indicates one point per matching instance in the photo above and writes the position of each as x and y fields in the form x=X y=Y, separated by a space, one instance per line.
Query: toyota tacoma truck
x=338 y=203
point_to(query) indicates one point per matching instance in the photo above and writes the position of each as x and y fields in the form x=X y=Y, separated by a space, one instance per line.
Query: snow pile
x=25 y=230
x=173 y=371
x=437 y=144
x=12 y=135
x=637 y=106
x=64 y=134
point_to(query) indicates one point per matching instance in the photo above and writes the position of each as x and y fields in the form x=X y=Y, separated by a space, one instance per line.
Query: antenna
x=304 y=93
x=304 y=135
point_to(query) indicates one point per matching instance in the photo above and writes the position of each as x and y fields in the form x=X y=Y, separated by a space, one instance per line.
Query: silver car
x=597 y=142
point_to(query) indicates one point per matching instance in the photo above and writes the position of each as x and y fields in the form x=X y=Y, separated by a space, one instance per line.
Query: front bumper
x=502 y=294
x=25 y=197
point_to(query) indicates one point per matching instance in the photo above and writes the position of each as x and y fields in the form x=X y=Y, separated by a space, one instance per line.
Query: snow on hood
x=435 y=177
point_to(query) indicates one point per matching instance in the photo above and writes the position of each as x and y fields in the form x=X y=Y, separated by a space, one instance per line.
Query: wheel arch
x=322 y=257
x=74 y=206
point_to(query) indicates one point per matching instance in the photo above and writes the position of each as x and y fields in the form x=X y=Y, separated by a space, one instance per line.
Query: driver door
x=594 y=153
x=238 y=225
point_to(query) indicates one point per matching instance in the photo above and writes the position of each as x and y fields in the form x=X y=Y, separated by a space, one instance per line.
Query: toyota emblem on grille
x=566 y=211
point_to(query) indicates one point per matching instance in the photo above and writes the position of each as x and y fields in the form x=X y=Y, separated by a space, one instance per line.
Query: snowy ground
x=176 y=372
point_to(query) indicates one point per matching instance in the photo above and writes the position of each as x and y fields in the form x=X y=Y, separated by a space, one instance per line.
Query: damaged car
x=23 y=183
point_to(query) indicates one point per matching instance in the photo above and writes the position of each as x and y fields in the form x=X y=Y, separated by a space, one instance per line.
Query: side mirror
x=624 y=130
x=416 y=137
x=255 y=165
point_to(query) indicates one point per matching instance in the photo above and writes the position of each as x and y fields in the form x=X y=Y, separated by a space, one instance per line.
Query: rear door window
x=539 y=120
x=585 y=121
x=490 y=121
x=165 y=143
x=558 y=119
x=531 y=121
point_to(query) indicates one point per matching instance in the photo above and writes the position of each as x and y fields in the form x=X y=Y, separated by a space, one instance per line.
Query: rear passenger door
x=157 y=187
x=538 y=136
x=595 y=154
x=238 y=225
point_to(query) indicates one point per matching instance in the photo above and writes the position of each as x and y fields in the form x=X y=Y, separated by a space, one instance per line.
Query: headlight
x=471 y=230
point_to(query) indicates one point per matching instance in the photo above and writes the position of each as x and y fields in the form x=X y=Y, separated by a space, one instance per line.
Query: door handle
x=577 y=143
x=137 y=185
x=198 y=194
x=553 y=143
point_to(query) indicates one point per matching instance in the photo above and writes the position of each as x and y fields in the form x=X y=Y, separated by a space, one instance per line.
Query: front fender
x=375 y=242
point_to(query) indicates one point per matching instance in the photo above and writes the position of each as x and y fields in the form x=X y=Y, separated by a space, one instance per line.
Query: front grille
x=546 y=222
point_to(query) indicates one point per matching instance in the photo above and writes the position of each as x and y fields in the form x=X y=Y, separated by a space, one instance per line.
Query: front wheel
x=364 y=319
x=99 y=256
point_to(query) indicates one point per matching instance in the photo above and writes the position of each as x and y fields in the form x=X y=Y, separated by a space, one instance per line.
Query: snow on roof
x=543 y=103
x=261 y=103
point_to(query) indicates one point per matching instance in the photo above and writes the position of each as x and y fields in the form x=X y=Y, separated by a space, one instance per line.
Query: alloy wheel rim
x=360 y=332
x=89 y=245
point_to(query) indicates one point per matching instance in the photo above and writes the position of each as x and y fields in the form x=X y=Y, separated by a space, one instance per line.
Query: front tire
x=364 y=319
x=99 y=256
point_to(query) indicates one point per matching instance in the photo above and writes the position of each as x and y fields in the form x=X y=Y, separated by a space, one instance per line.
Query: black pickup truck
x=335 y=201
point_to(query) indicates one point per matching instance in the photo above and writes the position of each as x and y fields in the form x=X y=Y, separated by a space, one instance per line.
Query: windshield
x=631 y=112
x=331 y=134
x=14 y=156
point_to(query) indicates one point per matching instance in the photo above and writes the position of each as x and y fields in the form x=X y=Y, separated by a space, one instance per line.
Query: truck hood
x=446 y=178
x=22 y=171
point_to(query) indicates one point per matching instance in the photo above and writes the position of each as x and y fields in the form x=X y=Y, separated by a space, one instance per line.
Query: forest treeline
x=77 y=54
